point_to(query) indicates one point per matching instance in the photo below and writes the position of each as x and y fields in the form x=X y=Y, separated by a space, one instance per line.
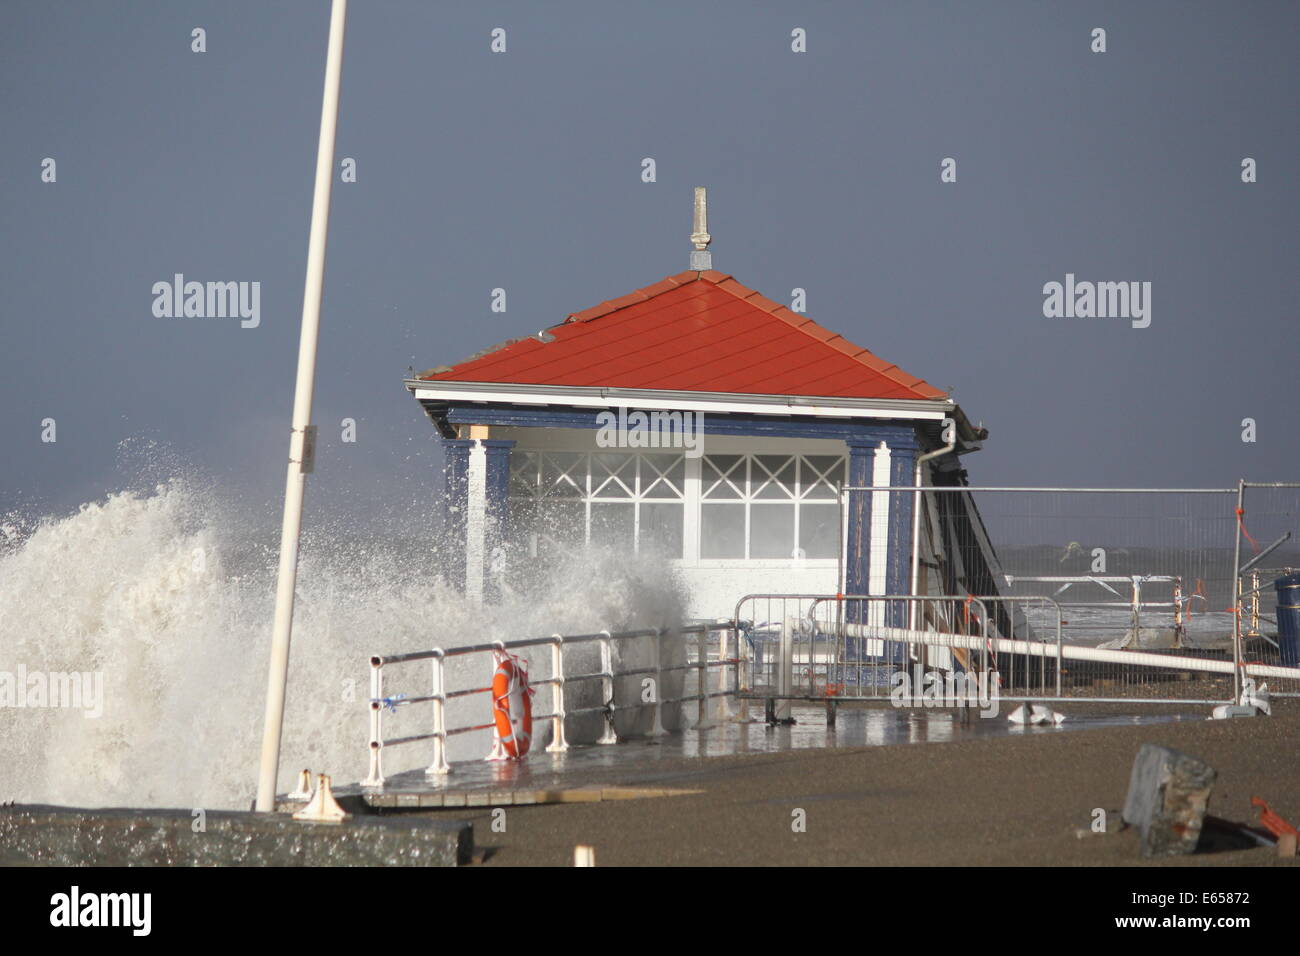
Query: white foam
x=171 y=599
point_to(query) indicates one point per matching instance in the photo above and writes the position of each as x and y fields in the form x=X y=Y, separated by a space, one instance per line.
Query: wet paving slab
x=651 y=767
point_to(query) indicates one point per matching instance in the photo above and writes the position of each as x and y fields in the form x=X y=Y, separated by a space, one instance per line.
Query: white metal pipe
x=721 y=712
x=1264 y=554
x=1009 y=488
x=918 y=473
x=1236 y=591
x=610 y=735
x=558 y=744
x=657 y=727
x=375 y=778
x=498 y=751
x=785 y=670
x=1068 y=651
x=702 y=679
x=278 y=673
x=1092 y=578
x=1178 y=608
x=440 y=764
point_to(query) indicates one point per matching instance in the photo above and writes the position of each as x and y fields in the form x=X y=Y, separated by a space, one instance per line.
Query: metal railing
x=1258 y=601
x=810 y=647
x=440 y=697
x=973 y=539
x=833 y=647
x=1135 y=603
x=1260 y=643
x=1272 y=511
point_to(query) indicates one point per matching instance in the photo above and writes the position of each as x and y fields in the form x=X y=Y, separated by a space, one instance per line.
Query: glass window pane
x=549 y=528
x=819 y=530
x=661 y=529
x=722 y=531
x=818 y=475
x=773 y=463
x=771 y=531
x=613 y=475
x=663 y=476
x=611 y=525
x=722 y=476
x=524 y=474
x=564 y=475
x=772 y=477
x=828 y=465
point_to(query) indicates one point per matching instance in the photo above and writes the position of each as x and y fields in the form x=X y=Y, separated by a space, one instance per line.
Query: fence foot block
x=1167 y=795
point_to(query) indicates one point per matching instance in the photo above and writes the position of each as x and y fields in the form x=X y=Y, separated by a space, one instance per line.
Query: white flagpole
x=301 y=442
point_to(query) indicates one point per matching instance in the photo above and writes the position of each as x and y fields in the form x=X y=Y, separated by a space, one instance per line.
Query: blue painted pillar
x=496 y=533
x=455 y=481
x=898 y=570
x=857 y=557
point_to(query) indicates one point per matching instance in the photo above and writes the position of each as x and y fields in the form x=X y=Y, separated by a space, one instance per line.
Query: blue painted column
x=898 y=570
x=496 y=533
x=455 y=482
x=857 y=557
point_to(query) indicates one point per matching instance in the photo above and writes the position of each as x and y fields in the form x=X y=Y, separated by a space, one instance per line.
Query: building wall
x=714 y=585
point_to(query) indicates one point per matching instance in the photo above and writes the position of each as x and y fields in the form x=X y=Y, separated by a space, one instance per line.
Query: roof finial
x=701 y=258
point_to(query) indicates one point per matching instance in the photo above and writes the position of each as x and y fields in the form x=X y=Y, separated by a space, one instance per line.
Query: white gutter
x=916 y=516
x=680 y=400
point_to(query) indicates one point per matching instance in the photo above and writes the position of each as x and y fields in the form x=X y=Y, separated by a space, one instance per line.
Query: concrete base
x=1167 y=795
x=1228 y=711
x=39 y=835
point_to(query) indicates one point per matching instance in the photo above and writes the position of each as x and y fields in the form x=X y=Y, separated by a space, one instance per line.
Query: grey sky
x=522 y=171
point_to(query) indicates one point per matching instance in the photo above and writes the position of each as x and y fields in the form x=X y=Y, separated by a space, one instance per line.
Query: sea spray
x=169 y=594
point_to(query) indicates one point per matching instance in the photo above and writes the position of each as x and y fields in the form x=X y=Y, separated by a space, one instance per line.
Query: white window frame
x=583 y=467
x=748 y=500
x=693 y=501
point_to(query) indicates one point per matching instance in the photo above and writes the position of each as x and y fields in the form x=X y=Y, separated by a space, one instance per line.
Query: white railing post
x=1137 y=611
x=657 y=727
x=741 y=675
x=1178 y=611
x=375 y=778
x=1058 y=648
x=720 y=710
x=745 y=663
x=440 y=764
x=609 y=736
x=702 y=681
x=498 y=751
x=558 y=744
x=785 y=671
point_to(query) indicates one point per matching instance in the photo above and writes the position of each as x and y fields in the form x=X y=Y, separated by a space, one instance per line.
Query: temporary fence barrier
x=834 y=647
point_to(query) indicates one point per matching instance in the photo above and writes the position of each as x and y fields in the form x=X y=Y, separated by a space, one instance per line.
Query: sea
x=165 y=596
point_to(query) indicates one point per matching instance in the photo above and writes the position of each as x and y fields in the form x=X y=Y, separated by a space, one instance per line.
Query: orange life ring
x=512 y=706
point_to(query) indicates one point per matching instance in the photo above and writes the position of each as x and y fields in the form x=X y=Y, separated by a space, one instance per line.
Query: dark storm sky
x=522 y=170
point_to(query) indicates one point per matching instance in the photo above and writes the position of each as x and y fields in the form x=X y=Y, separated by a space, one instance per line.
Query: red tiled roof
x=695 y=331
